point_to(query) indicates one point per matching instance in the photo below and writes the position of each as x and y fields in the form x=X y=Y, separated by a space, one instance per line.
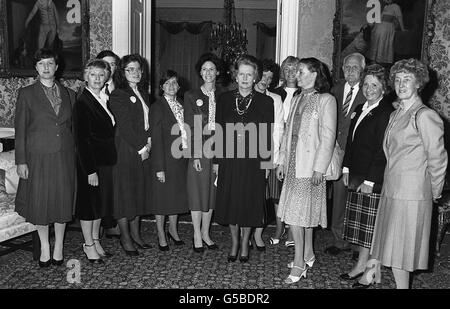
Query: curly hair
x=98 y=64
x=251 y=61
x=413 y=66
x=290 y=60
x=211 y=58
x=268 y=65
x=379 y=72
x=323 y=79
x=119 y=78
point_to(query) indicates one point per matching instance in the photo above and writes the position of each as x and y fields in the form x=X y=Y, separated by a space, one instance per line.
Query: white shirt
x=347 y=88
x=287 y=101
x=102 y=100
x=278 y=127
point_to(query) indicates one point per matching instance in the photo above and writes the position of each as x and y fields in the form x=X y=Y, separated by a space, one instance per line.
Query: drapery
x=265 y=41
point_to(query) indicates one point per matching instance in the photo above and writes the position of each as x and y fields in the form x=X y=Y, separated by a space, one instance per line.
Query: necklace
x=242 y=112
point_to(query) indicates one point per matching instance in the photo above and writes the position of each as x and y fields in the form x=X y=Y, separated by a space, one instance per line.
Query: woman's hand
x=280 y=172
x=365 y=189
x=316 y=178
x=345 y=179
x=93 y=179
x=197 y=165
x=22 y=171
x=161 y=177
x=216 y=169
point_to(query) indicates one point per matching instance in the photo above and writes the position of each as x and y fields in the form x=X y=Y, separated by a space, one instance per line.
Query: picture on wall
x=60 y=25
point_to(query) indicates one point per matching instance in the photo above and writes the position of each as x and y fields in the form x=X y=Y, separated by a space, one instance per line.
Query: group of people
x=107 y=156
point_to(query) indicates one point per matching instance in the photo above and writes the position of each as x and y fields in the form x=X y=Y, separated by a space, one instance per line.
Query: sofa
x=12 y=225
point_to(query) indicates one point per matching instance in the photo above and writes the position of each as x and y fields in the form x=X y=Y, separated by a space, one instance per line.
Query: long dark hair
x=323 y=79
x=119 y=78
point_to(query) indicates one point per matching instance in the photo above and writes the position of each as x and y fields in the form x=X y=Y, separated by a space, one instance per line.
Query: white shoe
x=293 y=279
x=289 y=243
x=310 y=262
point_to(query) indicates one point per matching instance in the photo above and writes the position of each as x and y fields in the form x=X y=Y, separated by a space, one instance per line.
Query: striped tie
x=348 y=98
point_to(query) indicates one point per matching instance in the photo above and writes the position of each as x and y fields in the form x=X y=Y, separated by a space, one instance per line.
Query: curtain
x=180 y=46
x=265 y=41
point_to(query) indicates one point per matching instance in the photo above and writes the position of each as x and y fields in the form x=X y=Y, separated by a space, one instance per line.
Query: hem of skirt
x=306 y=226
x=409 y=269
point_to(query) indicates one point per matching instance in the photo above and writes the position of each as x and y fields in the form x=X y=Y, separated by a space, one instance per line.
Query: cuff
x=144 y=149
x=369 y=183
x=345 y=170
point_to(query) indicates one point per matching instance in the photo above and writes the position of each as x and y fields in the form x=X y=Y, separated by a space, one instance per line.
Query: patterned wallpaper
x=316 y=34
x=100 y=38
x=439 y=54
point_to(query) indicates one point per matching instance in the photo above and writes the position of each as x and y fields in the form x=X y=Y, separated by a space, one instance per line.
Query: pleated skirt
x=402 y=233
x=48 y=195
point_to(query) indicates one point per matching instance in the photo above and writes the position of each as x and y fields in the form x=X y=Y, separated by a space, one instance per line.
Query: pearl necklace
x=242 y=112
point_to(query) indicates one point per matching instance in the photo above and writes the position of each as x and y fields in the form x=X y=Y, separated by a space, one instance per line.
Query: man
x=348 y=95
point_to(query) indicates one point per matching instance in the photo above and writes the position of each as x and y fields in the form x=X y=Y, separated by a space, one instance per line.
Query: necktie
x=348 y=98
x=107 y=89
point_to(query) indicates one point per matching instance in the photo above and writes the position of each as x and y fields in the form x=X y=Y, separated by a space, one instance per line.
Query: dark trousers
x=338 y=213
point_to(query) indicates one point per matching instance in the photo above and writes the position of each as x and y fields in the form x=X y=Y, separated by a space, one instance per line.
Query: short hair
x=268 y=65
x=251 y=61
x=45 y=53
x=119 y=78
x=359 y=56
x=379 y=72
x=164 y=78
x=99 y=64
x=290 y=60
x=413 y=66
x=107 y=53
x=323 y=78
x=208 y=57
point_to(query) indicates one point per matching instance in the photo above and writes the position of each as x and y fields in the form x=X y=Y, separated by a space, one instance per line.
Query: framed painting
x=26 y=26
x=384 y=31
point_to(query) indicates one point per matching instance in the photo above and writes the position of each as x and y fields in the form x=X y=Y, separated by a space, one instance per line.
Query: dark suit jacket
x=344 y=121
x=38 y=130
x=94 y=134
x=364 y=154
x=129 y=117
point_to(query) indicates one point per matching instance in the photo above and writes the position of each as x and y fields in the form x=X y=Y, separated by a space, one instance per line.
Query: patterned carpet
x=181 y=268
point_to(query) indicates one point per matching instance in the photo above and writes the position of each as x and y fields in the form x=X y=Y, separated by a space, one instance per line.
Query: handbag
x=334 y=170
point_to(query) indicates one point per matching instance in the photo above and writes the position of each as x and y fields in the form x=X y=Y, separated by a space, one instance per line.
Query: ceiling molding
x=217 y=4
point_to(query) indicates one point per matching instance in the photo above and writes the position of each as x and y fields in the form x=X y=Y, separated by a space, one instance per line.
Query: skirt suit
x=414 y=176
x=96 y=153
x=44 y=141
x=131 y=175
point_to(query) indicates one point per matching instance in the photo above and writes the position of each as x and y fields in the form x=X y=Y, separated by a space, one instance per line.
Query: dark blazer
x=94 y=134
x=344 y=121
x=38 y=130
x=364 y=154
x=283 y=94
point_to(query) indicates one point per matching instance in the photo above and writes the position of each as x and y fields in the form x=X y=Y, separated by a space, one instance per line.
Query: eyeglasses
x=133 y=70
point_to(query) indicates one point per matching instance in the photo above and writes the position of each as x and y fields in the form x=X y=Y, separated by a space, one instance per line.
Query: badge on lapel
x=353 y=115
x=199 y=102
x=133 y=99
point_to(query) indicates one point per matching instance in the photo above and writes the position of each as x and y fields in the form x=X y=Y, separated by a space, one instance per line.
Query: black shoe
x=163 y=248
x=197 y=249
x=232 y=258
x=360 y=286
x=129 y=252
x=176 y=242
x=45 y=264
x=144 y=246
x=210 y=247
x=243 y=259
x=347 y=277
x=57 y=262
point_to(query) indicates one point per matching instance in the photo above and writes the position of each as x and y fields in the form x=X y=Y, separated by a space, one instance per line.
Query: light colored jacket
x=315 y=153
x=415 y=154
x=278 y=127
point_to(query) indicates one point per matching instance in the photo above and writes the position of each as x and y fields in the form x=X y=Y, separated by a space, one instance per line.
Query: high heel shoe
x=57 y=262
x=244 y=259
x=129 y=252
x=349 y=278
x=197 y=249
x=293 y=279
x=98 y=246
x=96 y=261
x=176 y=242
x=371 y=276
x=45 y=264
x=210 y=247
x=163 y=248
x=259 y=248
x=311 y=261
x=232 y=258
x=144 y=246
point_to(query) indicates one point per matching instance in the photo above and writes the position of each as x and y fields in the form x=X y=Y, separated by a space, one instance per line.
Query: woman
x=287 y=90
x=241 y=177
x=305 y=155
x=200 y=113
x=94 y=139
x=168 y=170
x=413 y=178
x=382 y=37
x=364 y=163
x=45 y=155
x=131 y=175
x=269 y=69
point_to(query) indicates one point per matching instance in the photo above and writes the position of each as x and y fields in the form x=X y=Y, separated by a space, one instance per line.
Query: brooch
x=199 y=102
x=133 y=99
x=353 y=115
